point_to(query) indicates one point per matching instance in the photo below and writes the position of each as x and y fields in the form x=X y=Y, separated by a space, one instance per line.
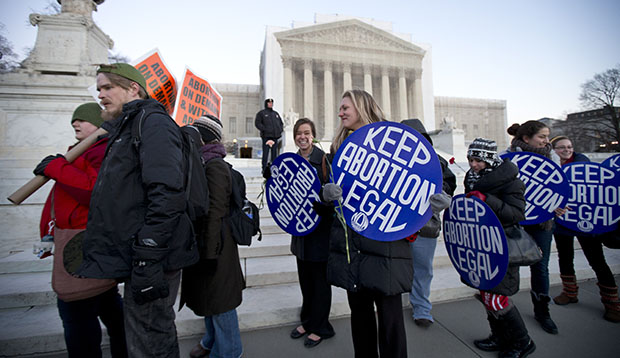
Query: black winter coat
x=383 y=267
x=379 y=266
x=215 y=285
x=269 y=123
x=138 y=195
x=314 y=247
x=504 y=192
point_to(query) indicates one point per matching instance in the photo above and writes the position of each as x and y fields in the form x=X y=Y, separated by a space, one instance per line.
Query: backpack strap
x=136 y=135
x=324 y=167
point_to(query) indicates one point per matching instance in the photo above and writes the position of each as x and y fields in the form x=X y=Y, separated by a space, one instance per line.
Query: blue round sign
x=595 y=198
x=292 y=189
x=612 y=162
x=546 y=187
x=475 y=241
x=387 y=172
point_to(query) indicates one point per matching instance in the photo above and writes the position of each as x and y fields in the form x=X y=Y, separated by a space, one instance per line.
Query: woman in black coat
x=533 y=136
x=311 y=250
x=496 y=183
x=378 y=272
x=213 y=287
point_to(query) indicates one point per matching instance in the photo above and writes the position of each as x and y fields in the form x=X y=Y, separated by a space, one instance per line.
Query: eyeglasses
x=564 y=147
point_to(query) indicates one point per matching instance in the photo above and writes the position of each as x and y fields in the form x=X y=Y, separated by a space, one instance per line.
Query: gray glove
x=440 y=201
x=331 y=192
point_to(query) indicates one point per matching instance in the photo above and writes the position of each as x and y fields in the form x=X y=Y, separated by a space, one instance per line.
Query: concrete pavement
x=582 y=332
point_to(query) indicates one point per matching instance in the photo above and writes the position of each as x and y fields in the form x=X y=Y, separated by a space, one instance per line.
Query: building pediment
x=351 y=33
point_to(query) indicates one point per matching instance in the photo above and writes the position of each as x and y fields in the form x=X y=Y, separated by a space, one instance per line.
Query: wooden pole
x=38 y=181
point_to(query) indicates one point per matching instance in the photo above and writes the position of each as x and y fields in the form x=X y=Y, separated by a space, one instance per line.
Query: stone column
x=385 y=92
x=346 y=76
x=418 y=109
x=328 y=85
x=308 y=93
x=288 y=83
x=402 y=98
x=368 y=78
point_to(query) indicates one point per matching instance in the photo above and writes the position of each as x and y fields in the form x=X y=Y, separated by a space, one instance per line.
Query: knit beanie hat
x=483 y=149
x=124 y=70
x=88 y=112
x=210 y=128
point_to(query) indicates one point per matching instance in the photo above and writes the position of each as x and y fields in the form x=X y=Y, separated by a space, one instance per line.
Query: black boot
x=513 y=335
x=541 y=312
x=491 y=343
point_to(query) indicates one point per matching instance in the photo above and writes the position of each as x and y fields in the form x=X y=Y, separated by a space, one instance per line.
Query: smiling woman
x=372 y=272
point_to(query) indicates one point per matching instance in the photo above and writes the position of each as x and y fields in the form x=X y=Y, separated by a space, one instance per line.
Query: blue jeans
x=80 y=320
x=422 y=254
x=540 y=270
x=222 y=336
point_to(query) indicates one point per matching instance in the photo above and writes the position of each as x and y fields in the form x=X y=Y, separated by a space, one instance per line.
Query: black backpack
x=244 y=217
x=196 y=185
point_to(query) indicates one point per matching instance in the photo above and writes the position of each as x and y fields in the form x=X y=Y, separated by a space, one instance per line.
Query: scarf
x=517 y=145
x=212 y=150
x=471 y=178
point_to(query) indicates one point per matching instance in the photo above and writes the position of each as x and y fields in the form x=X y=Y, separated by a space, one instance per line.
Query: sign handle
x=38 y=181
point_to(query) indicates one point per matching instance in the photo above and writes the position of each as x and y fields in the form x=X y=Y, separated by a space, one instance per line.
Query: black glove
x=147 y=277
x=267 y=172
x=323 y=209
x=40 y=168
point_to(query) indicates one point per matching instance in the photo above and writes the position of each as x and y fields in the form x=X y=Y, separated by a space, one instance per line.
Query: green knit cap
x=88 y=112
x=124 y=70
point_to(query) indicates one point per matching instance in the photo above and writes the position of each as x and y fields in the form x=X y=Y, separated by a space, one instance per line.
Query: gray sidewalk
x=583 y=332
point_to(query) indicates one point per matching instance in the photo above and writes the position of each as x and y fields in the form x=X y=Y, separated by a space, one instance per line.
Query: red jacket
x=73 y=187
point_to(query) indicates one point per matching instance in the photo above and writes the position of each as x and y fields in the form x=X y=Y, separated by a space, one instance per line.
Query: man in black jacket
x=270 y=126
x=138 y=231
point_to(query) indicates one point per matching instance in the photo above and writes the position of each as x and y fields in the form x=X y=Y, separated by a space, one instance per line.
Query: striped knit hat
x=483 y=149
x=210 y=128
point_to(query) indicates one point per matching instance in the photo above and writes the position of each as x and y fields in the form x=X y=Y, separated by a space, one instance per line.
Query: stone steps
x=27 y=280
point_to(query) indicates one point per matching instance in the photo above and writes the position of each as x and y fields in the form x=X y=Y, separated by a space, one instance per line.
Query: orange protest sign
x=196 y=98
x=160 y=83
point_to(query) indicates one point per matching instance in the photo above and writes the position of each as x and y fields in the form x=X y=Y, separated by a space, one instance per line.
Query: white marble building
x=306 y=69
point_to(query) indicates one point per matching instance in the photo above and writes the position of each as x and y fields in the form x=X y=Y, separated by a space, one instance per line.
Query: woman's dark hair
x=527 y=129
x=301 y=121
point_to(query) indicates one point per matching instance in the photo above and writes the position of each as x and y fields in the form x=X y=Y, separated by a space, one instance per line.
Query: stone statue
x=290 y=118
x=448 y=123
x=80 y=7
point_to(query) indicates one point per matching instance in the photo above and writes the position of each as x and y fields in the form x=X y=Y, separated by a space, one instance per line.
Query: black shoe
x=516 y=352
x=296 y=334
x=490 y=344
x=547 y=324
x=309 y=343
x=423 y=322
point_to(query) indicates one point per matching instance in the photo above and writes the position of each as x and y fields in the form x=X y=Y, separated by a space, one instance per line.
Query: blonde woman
x=378 y=272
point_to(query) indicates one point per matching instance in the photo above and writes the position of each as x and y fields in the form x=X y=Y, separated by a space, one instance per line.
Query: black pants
x=392 y=337
x=593 y=251
x=80 y=320
x=268 y=151
x=317 y=298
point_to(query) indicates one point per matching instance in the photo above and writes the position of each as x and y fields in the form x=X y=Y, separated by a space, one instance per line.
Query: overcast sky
x=534 y=54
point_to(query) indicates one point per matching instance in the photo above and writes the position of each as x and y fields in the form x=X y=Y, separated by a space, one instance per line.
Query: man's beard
x=110 y=115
